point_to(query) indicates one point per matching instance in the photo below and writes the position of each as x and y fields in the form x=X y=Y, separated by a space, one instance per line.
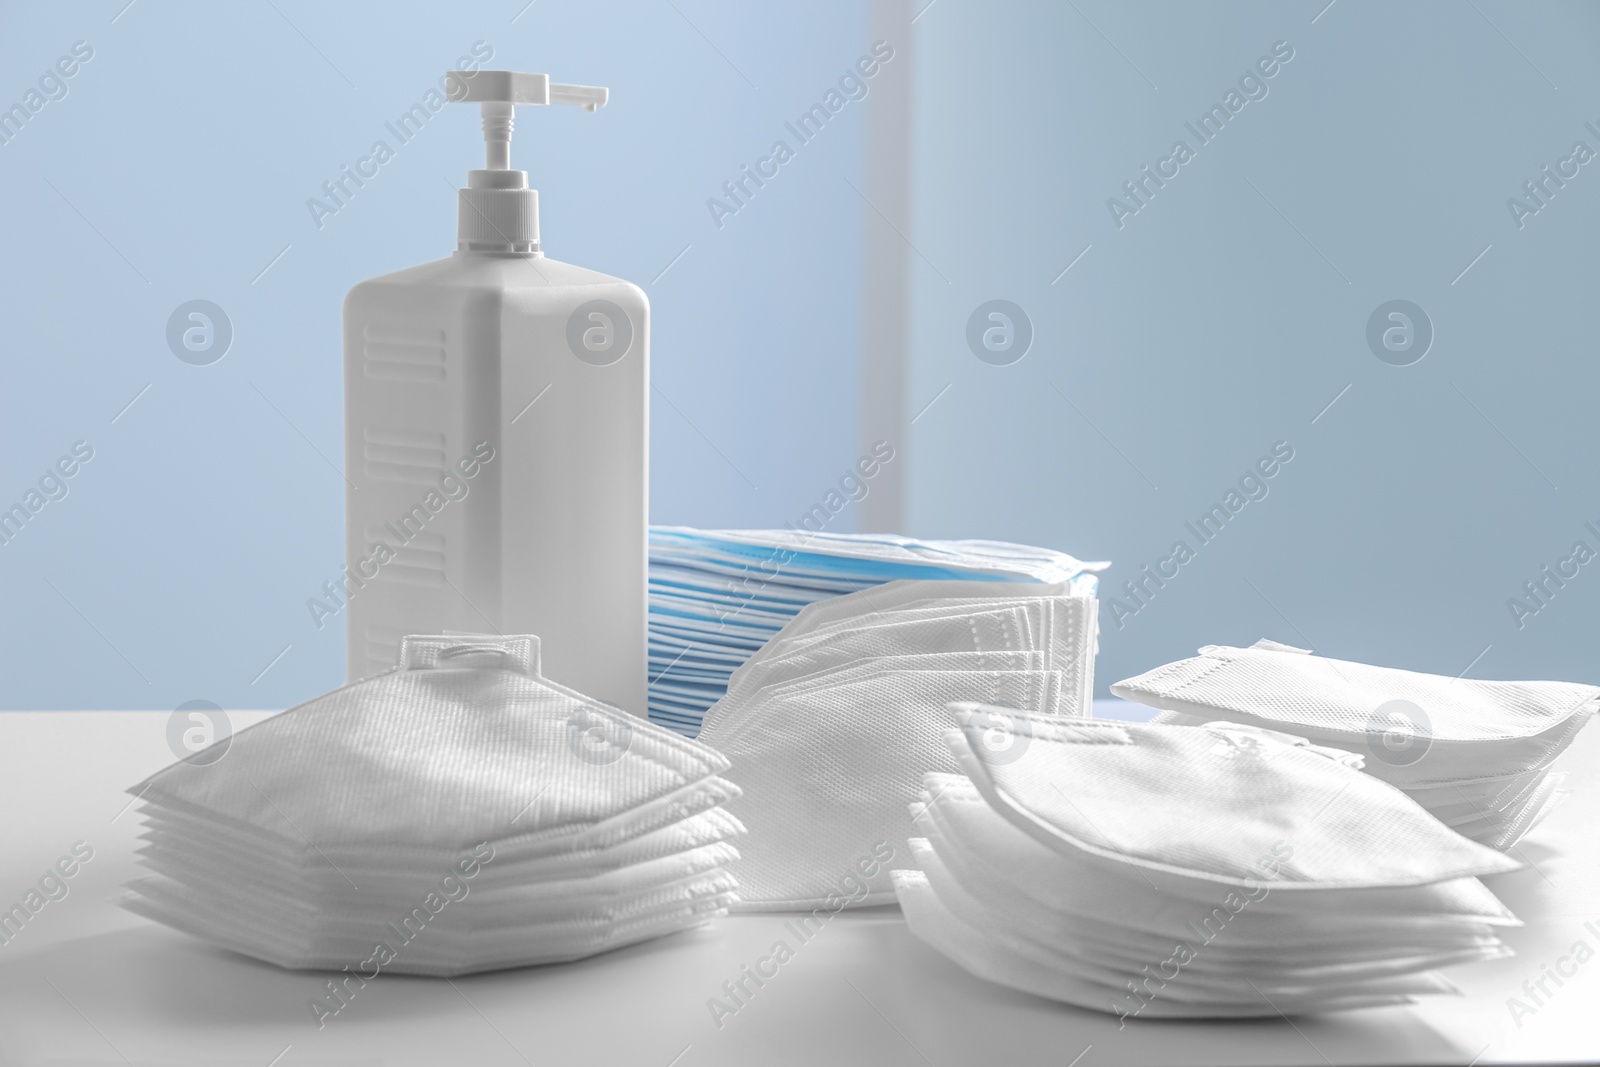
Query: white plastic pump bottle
x=496 y=435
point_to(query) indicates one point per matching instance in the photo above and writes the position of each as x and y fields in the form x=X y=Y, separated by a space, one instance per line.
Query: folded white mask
x=998 y=630
x=517 y=820
x=611 y=924
x=1039 y=619
x=1213 y=974
x=686 y=819
x=892 y=596
x=1229 y=812
x=949 y=662
x=1503 y=829
x=432 y=755
x=1416 y=729
x=492 y=901
x=795 y=638
x=1152 y=909
x=827 y=772
x=1484 y=794
x=932 y=922
x=1062 y=628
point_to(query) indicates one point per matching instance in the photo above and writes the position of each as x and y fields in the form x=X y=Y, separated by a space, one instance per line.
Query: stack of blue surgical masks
x=716 y=596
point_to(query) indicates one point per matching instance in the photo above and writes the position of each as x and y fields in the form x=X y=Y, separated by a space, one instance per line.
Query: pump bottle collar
x=497 y=212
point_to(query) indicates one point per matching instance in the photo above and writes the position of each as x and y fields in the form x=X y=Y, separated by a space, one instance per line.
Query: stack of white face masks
x=458 y=813
x=1187 y=872
x=1475 y=753
x=716 y=596
x=831 y=725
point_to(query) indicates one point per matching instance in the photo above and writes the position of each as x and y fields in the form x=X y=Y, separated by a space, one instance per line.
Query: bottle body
x=496 y=445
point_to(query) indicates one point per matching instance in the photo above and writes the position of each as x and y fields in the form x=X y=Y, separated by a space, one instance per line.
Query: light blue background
x=1210 y=327
x=1220 y=319
x=184 y=554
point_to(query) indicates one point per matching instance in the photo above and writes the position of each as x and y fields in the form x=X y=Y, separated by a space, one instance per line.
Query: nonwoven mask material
x=946 y=662
x=1469 y=727
x=173 y=842
x=1211 y=978
x=892 y=596
x=1475 y=753
x=520 y=821
x=831 y=741
x=1076 y=903
x=437 y=952
x=1030 y=879
x=733 y=589
x=1222 y=806
x=933 y=923
x=826 y=774
x=1051 y=625
x=957 y=815
x=434 y=757
x=1061 y=628
x=868 y=626
x=1001 y=630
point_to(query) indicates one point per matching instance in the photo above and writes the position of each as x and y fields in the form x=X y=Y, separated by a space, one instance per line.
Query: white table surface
x=88 y=983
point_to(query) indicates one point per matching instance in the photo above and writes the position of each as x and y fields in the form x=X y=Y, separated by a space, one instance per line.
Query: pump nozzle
x=498 y=212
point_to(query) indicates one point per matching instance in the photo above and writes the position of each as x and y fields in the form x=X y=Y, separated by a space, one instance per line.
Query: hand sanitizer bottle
x=496 y=435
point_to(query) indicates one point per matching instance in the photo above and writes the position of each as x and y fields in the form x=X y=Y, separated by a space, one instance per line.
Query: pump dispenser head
x=497 y=210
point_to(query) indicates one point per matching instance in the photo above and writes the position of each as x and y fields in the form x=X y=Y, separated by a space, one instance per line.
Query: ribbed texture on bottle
x=498 y=220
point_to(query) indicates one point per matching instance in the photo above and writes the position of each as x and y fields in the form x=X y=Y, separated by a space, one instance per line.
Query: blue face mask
x=865 y=557
x=671 y=649
x=717 y=596
x=669 y=580
x=752 y=616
